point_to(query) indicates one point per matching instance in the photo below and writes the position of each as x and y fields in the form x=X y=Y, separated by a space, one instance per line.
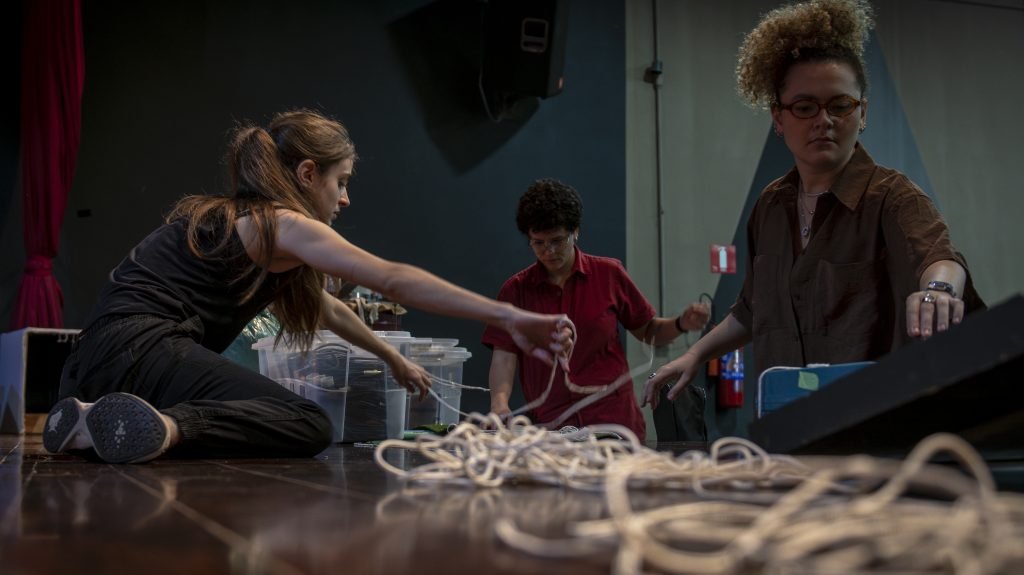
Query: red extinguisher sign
x=723 y=259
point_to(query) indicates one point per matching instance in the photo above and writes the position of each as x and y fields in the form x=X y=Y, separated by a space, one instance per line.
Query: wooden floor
x=336 y=513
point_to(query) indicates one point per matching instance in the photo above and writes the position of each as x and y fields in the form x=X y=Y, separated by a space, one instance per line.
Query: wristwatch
x=941 y=286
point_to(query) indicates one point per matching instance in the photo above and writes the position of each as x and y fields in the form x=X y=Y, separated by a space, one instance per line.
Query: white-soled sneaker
x=65 y=426
x=120 y=427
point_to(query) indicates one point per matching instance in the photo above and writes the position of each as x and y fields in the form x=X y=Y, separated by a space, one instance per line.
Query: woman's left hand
x=932 y=311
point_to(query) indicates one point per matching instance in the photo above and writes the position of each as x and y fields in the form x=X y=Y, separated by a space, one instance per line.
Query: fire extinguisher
x=730 y=382
x=714 y=367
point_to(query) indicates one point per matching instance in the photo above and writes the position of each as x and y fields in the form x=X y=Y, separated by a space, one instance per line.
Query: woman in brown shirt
x=847 y=260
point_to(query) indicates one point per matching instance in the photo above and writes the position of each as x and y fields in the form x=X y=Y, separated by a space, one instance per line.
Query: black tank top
x=162 y=277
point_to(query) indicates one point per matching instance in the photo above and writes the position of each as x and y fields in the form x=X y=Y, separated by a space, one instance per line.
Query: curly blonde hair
x=829 y=30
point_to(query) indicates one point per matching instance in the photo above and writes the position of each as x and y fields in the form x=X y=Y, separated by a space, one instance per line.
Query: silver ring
x=653 y=373
x=928 y=297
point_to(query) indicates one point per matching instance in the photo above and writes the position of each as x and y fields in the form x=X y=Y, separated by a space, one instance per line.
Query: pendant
x=805 y=231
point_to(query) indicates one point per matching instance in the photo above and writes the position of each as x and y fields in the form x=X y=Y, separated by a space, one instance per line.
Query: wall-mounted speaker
x=524 y=47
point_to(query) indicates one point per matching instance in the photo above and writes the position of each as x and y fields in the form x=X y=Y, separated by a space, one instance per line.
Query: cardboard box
x=31 y=362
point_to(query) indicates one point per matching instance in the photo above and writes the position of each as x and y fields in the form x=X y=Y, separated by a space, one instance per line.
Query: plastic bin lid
x=392 y=338
x=435 y=347
x=435 y=356
x=322 y=337
x=395 y=340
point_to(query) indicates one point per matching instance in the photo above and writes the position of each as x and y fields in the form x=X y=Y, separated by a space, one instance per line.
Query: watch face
x=942 y=286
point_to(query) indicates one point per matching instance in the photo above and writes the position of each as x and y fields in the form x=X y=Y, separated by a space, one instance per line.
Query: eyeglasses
x=838 y=107
x=554 y=244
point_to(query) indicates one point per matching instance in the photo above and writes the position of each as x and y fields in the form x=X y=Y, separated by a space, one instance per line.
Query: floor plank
x=335 y=513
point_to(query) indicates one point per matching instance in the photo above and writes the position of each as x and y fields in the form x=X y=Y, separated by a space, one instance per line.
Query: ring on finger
x=653 y=374
x=928 y=297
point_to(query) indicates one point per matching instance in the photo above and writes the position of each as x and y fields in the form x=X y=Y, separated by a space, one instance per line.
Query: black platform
x=968 y=381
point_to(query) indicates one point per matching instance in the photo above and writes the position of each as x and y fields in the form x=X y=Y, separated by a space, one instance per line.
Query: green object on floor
x=435 y=428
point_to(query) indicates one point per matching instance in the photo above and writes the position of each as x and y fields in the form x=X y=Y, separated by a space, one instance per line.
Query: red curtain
x=52 y=76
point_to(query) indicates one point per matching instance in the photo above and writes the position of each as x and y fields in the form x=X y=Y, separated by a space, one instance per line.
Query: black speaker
x=524 y=47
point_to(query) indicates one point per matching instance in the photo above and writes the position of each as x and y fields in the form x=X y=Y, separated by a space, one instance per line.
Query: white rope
x=512 y=451
x=752 y=510
x=594 y=393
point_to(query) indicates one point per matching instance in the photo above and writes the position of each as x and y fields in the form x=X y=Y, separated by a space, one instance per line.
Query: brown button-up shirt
x=842 y=298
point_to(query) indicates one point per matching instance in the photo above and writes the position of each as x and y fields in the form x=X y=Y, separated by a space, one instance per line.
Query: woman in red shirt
x=597 y=294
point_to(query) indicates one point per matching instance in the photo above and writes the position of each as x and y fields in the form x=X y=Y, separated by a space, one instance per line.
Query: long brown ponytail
x=261 y=165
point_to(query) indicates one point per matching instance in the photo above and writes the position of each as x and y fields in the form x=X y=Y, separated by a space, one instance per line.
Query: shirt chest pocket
x=600 y=320
x=849 y=296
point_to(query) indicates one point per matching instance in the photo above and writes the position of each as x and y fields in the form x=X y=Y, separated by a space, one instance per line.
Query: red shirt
x=597 y=297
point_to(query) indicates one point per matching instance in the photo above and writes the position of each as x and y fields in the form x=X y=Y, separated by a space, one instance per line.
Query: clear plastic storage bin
x=377 y=405
x=444 y=363
x=355 y=388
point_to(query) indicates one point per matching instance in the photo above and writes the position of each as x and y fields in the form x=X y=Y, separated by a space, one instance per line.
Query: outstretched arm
x=316 y=244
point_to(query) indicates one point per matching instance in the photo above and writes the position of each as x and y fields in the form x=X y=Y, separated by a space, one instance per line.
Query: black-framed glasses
x=837 y=107
x=554 y=244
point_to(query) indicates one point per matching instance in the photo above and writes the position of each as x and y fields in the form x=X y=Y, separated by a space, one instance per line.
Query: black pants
x=222 y=409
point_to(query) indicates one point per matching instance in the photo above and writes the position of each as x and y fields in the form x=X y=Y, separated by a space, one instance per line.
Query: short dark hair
x=549 y=204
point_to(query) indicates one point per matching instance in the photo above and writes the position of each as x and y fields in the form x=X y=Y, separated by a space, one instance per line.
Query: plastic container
x=355 y=388
x=417 y=345
x=400 y=340
x=332 y=401
x=445 y=342
x=377 y=406
x=779 y=386
x=444 y=364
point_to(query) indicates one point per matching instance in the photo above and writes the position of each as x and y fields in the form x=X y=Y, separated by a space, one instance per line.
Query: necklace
x=808 y=217
x=805 y=226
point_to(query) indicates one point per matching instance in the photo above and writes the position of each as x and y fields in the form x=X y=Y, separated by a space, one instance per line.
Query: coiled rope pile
x=749 y=509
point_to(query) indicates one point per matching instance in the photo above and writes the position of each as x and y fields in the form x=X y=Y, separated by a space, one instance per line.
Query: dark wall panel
x=437 y=180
